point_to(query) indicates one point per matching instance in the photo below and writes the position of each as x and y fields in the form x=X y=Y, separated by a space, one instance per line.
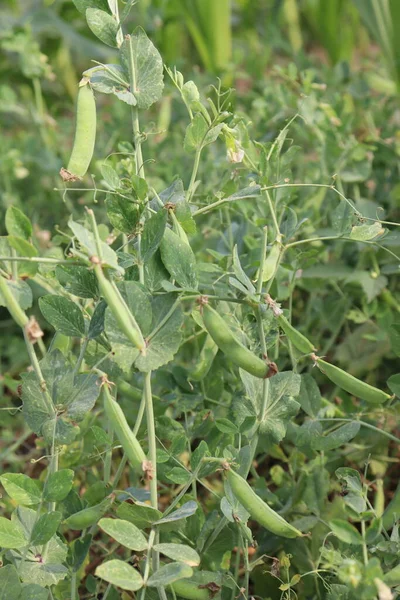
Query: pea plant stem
x=190 y=190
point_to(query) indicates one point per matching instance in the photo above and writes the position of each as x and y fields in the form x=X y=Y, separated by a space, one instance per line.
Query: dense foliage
x=200 y=324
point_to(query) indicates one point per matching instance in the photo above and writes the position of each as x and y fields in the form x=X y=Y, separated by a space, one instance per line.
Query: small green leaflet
x=103 y=25
x=125 y=533
x=179 y=260
x=73 y=395
x=169 y=573
x=63 y=314
x=17 y=223
x=21 y=488
x=11 y=534
x=120 y=574
x=21 y=292
x=10 y=585
x=58 y=485
x=78 y=281
x=143 y=64
x=45 y=527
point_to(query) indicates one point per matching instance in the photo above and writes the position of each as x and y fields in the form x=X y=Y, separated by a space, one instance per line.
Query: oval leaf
x=63 y=314
x=124 y=533
x=120 y=574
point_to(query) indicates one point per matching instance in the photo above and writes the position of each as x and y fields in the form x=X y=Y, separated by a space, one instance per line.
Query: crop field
x=199 y=299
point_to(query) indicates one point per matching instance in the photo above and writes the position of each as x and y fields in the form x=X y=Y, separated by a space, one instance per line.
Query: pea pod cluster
x=351 y=384
x=231 y=346
x=85 y=131
x=125 y=435
x=258 y=509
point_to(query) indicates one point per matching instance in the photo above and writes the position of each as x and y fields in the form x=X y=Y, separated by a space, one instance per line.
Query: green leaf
x=346 y=532
x=10 y=585
x=58 y=485
x=50 y=569
x=63 y=314
x=111 y=79
x=394 y=384
x=342 y=218
x=24 y=248
x=120 y=574
x=103 y=25
x=195 y=133
x=309 y=396
x=78 y=551
x=96 y=326
x=21 y=292
x=34 y=592
x=78 y=281
x=145 y=67
x=337 y=438
x=168 y=574
x=180 y=553
x=17 y=223
x=394 y=335
x=45 y=527
x=186 y=510
x=363 y=233
x=179 y=260
x=83 y=5
x=141 y=515
x=11 y=534
x=280 y=406
x=152 y=235
x=179 y=475
x=123 y=214
x=74 y=396
x=226 y=426
x=125 y=533
x=21 y=488
x=110 y=176
x=87 y=242
x=165 y=337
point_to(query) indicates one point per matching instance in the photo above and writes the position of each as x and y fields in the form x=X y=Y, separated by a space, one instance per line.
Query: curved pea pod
x=258 y=509
x=392 y=511
x=271 y=262
x=89 y=516
x=190 y=590
x=120 y=311
x=85 y=131
x=231 y=346
x=351 y=384
x=298 y=340
x=206 y=357
x=125 y=435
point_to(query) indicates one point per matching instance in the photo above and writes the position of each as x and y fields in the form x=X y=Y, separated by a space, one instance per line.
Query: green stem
x=364 y=545
x=96 y=234
x=273 y=213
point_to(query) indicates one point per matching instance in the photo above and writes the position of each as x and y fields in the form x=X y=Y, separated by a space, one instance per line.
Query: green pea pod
x=11 y=303
x=125 y=435
x=351 y=384
x=258 y=509
x=89 y=516
x=207 y=355
x=120 y=311
x=298 y=340
x=231 y=346
x=186 y=588
x=85 y=131
x=271 y=262
x=379 y=500
x=392 y=511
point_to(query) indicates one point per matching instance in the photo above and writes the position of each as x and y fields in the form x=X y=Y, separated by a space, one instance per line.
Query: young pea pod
x=190 y=590
x=89 y=516
x=231 y=346
x=207 y=355
x=298 y=340
x=120 y=311
x=125 y=435
x=351 y=384
x=85 y=131
x=271 y=262
x=258 y=509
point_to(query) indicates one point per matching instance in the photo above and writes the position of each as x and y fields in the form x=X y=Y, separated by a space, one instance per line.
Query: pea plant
x=195 y=438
